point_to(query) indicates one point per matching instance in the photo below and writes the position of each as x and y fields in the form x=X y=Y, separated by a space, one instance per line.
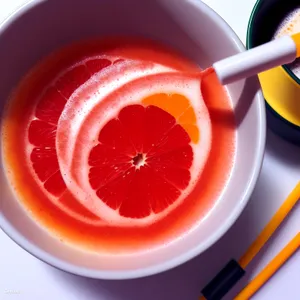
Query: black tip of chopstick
x=224 y=281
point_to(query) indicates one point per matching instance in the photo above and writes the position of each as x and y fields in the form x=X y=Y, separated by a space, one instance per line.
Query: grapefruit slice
x=139 y=149
x=43 y=127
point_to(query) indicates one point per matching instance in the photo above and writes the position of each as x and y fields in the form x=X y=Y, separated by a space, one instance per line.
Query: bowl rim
x=249 y=43
x=171 y=263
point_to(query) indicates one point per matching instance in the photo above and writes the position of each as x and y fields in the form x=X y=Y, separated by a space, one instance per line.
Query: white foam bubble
x=289 y=26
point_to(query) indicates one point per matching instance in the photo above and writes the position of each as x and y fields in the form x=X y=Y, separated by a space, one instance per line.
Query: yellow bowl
x=281 y=87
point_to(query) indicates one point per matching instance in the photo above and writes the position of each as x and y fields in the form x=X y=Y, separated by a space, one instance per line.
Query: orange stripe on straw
x=270 y=228
x=296 y=38
x=270 y=269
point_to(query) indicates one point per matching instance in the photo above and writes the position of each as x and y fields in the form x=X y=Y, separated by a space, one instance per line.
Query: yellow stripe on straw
x=296 y=38
x=274 y=223
x=270 y=269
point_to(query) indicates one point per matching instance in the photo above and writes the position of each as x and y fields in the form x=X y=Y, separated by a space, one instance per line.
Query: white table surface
x=24 y=277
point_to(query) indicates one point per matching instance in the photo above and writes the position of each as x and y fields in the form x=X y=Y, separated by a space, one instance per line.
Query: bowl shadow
x=280 y=149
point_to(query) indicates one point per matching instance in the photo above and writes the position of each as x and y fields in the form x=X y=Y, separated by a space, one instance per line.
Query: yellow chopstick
x=270 y=228
x=270 y=269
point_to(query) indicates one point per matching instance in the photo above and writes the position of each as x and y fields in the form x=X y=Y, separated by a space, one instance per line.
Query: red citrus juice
x=117 y=145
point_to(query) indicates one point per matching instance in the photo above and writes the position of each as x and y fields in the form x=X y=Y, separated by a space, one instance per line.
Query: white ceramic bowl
x=42 y=26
